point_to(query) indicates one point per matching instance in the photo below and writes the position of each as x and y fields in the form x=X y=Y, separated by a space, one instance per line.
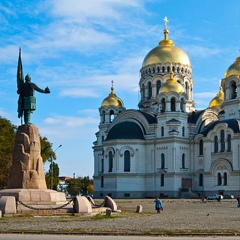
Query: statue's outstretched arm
x=46 y=90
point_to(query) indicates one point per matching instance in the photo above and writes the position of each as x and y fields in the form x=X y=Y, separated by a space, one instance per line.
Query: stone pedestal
x=27 y=168
x=27 y=179
x=36 y=196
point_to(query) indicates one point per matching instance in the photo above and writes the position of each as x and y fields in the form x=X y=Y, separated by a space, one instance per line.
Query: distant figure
x=219 y=198
x=27 y=100
x=158 y=205
x=238 y=201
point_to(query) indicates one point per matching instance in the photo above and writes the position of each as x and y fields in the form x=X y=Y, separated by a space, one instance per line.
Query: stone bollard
x=139 y=209
x=109 y=212
x=8 y=206
x=0 y=214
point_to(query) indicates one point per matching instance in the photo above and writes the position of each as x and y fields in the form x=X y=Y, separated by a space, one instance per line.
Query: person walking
x=158 y=205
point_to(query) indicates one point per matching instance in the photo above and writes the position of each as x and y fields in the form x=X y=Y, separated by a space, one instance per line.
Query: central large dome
x=166 y=52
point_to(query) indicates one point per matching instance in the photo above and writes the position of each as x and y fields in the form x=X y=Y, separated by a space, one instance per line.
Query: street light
x=52 y=166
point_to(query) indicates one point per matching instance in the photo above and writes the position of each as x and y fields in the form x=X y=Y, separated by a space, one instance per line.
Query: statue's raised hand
x=47 y=90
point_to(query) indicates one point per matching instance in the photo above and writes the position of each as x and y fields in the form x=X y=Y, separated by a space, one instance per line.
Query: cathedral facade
x=167 y=148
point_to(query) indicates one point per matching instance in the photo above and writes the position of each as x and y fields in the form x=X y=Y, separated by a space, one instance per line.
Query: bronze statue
x=27 y=100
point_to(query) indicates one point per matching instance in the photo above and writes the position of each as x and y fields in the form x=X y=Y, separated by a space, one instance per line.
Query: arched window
x=201 y=147
x=186 y=88
x=229 y=147
x=222 y=136
x=168 y=69
x=200 y=179
x=149 y=90
x=143 y=91
x=162 y=131
x=219 y=179
x=182 y=105
x=162 y=180
x=162 y=161
x=102 y=163
x=233 y=90
x=158 y=86
x=102 y=182
x=103 y=116
x=102 y=139
x=225 y=178
x=163 y=69
x=163 y=103
x=173 y=104
x=215 y=144
x=127 y=161
x=183 y=160
x=110 y=161
x=183 y=131
x=111 y=115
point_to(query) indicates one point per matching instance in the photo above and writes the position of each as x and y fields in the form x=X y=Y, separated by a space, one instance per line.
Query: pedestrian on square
x=238 y=201
x=158 y=205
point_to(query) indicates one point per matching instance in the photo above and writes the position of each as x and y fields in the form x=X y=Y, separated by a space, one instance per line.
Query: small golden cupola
x=112 y=100
x=234 y=69
x=172 y=85
x=218 y=100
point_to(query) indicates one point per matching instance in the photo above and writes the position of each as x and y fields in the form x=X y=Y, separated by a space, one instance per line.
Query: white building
x=166 y=147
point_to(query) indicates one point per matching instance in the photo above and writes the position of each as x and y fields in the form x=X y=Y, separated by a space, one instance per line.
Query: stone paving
x=179 y=216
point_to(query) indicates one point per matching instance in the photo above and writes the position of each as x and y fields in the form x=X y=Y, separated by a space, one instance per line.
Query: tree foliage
x=46 y=150
x=52 y=176
x=80 y=185
x=7 y=141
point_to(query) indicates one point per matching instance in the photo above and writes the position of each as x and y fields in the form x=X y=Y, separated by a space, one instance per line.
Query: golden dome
x=234 y=69
x=171 y=85
x=166 y=52
x=112 y=100
x=218 y=100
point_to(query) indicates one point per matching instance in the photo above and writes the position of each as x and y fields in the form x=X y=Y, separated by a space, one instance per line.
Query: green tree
x=52 y=176
x=91 y=188
x=7 y=141
x=46 y=150
x=80 y=185
x=86 y=181
x=74 y=186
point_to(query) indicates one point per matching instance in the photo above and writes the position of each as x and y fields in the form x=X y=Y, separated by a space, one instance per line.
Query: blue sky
x=77 y=47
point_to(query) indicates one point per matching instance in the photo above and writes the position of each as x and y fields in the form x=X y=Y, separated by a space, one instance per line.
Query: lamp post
x=52 y=166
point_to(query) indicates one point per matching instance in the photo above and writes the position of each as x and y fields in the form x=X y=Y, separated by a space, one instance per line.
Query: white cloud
x=72 y=122
x=84 y=9
x=205 y=94
x=79 y=93
x=201 y=51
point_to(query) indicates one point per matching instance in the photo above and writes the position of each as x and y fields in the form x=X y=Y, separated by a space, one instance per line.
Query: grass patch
x=102 y=217
x=25 y=216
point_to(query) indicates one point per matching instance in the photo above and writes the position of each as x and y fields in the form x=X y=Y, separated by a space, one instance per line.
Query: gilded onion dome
x=218 y=100
x=166 y=52
x=112 y=100
x=171 y=85
x=234 y=69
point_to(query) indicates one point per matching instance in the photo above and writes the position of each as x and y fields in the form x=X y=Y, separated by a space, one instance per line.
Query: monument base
x=36 y=196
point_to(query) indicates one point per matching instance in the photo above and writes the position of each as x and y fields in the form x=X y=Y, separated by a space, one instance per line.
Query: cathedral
x=166 y=147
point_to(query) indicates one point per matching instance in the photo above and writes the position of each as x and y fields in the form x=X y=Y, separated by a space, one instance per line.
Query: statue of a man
x=27 y=100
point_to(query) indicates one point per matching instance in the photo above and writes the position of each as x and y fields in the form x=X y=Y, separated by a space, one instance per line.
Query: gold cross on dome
x=166 y=22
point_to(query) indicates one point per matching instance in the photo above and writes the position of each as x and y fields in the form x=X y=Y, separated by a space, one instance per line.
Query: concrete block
x=8 y=205
x=139 y=209
x=108 y=212
x=110 y=203
x=82 y=205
